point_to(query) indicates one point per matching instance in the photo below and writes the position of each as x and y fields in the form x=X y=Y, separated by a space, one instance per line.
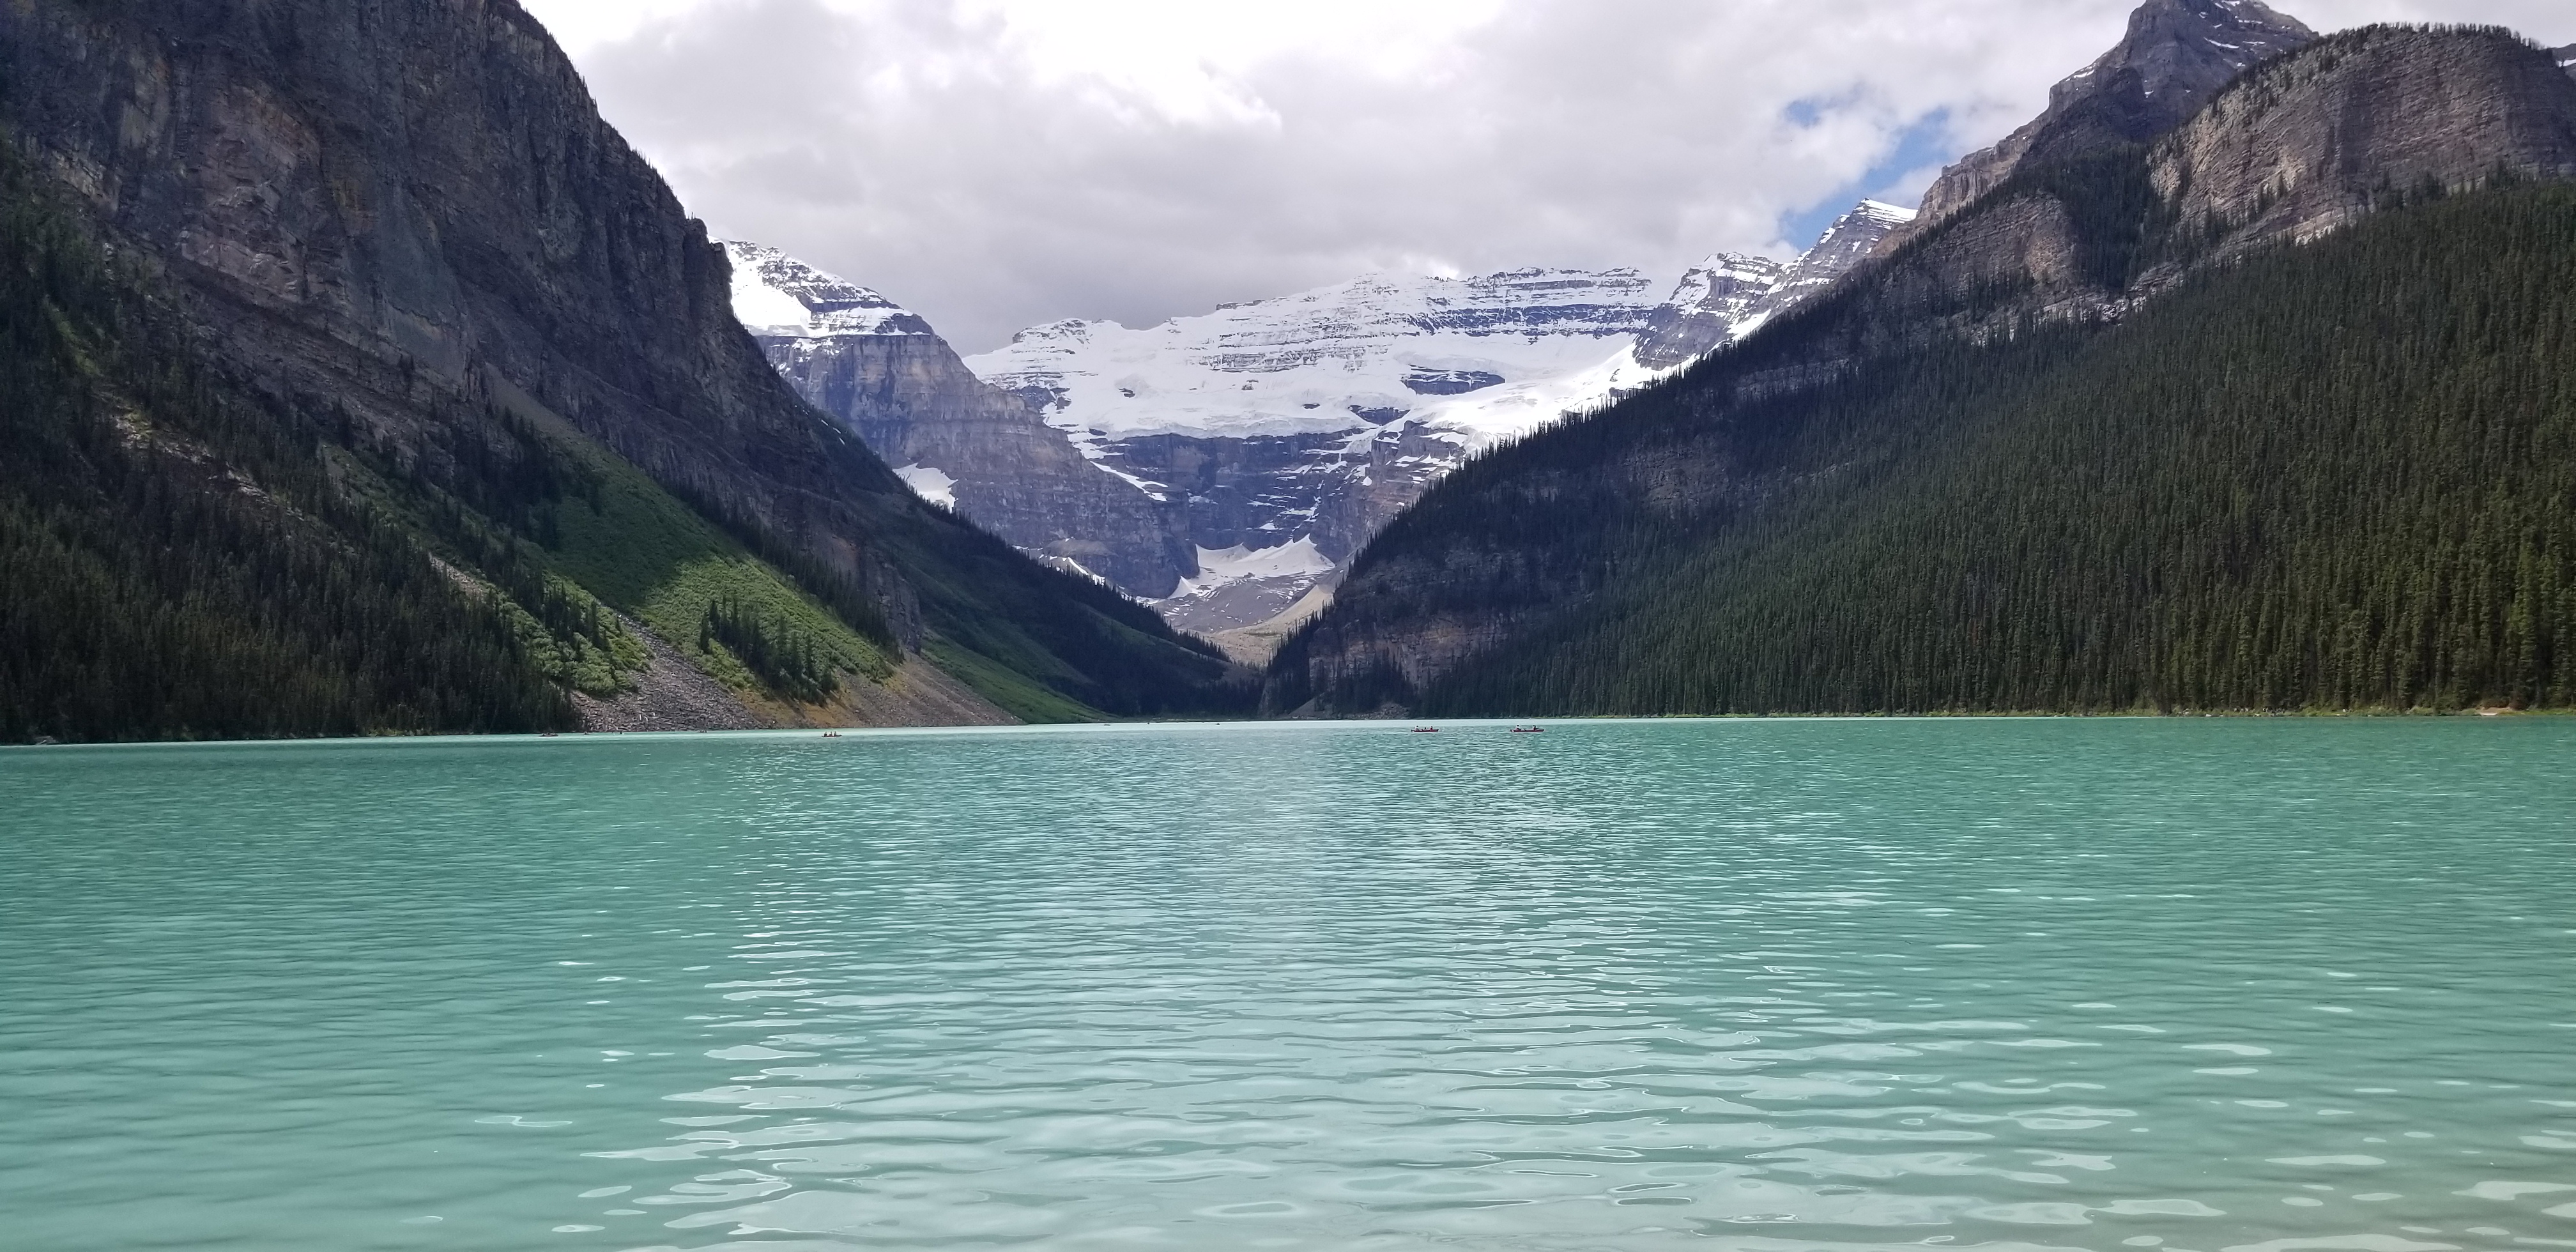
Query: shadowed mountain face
x=2067 y=236
x=409 y=213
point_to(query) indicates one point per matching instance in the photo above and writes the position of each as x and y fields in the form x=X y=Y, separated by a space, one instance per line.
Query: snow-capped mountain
x=1226 y=467
x=1727 y=296
x=775 y=294
x=1290 y=430
x=885 y=374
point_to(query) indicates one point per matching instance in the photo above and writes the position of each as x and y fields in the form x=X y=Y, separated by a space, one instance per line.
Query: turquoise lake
x=1775 y=986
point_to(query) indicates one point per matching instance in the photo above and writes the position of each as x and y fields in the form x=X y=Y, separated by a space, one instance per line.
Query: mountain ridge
x=2079 y=241
x=2170 y=61
x=1226 y=465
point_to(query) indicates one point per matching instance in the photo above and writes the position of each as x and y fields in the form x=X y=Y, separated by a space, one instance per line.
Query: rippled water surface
x=1771 y=986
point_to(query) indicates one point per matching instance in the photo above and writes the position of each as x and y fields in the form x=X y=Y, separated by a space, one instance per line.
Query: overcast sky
x=996 y=164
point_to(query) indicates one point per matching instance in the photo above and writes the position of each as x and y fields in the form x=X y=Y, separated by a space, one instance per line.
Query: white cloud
x=999 y=163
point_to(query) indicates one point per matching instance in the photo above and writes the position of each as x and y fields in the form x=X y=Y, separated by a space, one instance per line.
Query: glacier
x=1259 y=446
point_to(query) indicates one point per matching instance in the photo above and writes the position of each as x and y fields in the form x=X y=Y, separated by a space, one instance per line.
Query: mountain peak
x=2175 y=56
x=1728 y=296
x=2193 y=47
x=776 y=294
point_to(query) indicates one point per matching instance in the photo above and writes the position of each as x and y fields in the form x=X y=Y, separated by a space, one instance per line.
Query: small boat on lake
x=1529 y=730
x=1426 y=730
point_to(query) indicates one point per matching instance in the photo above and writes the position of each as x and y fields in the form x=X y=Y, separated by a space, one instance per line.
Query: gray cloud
x=910 y=147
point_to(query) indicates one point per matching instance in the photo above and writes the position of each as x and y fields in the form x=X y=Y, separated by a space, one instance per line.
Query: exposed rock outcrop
x=1728 y=296
x=2176 y=55
x=886 y=375
x=2302 y=145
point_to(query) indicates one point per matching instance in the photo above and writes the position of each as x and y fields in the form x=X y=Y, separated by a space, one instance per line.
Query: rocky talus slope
x=408 y=215
x=2074 y=236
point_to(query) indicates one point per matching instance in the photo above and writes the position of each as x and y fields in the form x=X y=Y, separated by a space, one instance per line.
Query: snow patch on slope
x=1241 y=585
x=1301 y=559
x=1350 y=357
x=929 y=484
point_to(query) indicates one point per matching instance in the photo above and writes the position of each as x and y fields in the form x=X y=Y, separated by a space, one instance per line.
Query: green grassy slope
x=2341 y=477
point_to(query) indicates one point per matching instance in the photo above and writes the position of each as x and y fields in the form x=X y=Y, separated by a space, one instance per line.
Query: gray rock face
x=2291 y=148
x=1727 y=296
x=401 y=203
x=1716 y=301
x=2302 y=145
x=884 y=374
x=2566 y=58
x=2177 y=54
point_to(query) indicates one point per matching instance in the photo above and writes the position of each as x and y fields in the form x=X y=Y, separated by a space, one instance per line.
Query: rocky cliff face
x=2292 y=148
x=1728 y=297
x=2176 y=55
x=2305 y=144
x=958 y=440
x=386 y=199
x=411 y=210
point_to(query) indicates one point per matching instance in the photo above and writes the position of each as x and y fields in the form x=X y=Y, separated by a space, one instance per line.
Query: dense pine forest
x=176 y=564
x=2334 y=477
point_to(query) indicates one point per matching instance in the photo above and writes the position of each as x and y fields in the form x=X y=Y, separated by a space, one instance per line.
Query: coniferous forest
x=177 y=565
x=2333 y=477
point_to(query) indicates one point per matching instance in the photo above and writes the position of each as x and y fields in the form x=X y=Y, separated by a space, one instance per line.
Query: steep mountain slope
x=144 y=572
x=401 y=226
x=1569 y=542
x=957 y=440
x=1728 y=296
x=2175 y=56
x=2342 y=477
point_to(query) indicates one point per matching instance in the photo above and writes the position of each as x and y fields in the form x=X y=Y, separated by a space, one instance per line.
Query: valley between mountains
x=356 y=377
x=1225 y=468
